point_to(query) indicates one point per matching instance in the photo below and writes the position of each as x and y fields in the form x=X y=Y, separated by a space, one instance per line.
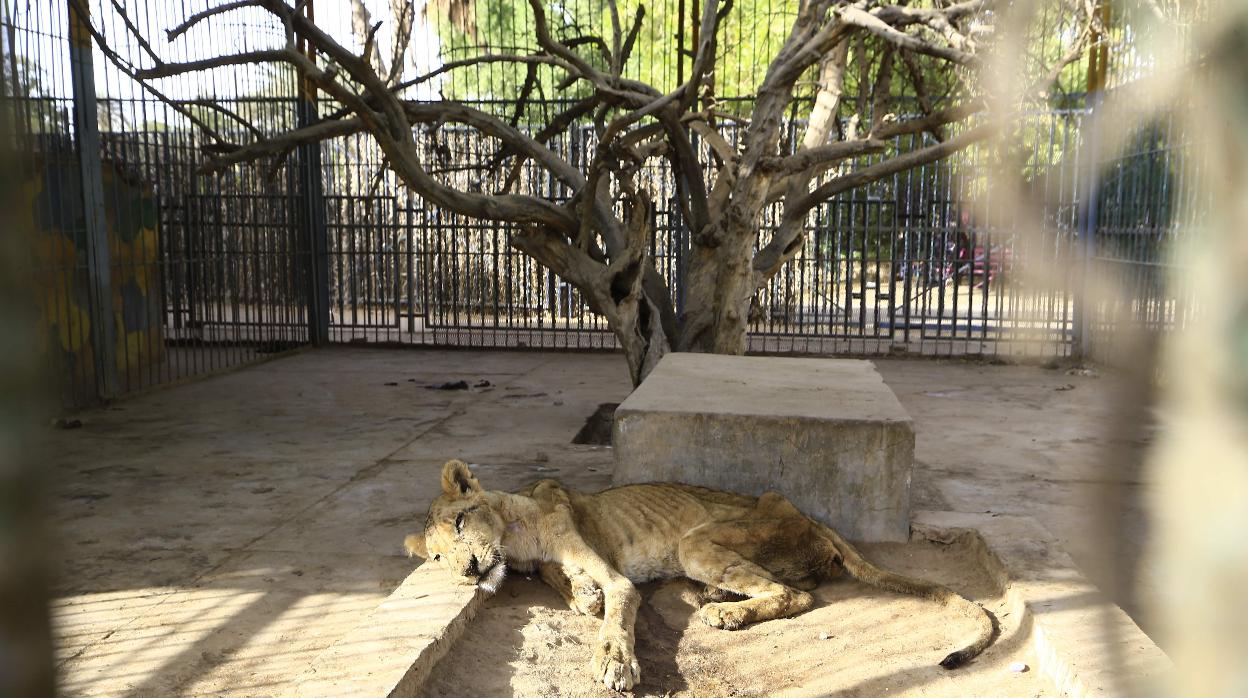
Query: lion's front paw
x=586 y=598
x=728 y=616
x=615 y=665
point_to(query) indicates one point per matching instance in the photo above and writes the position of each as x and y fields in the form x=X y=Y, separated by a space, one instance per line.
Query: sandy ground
x=857 y=642
x=216 y=536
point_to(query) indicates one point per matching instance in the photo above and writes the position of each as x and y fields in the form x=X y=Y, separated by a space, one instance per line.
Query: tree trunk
x=641 y=336
x=718 y=294
x=628 y=291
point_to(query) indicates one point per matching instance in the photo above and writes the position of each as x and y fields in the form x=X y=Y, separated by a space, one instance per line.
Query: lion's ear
x=415 y=545
x=457 y=479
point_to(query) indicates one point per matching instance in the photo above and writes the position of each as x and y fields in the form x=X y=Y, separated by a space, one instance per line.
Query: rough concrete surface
x=217 y=537
x=394 y=650
x=1033 y=441
x=828 y=434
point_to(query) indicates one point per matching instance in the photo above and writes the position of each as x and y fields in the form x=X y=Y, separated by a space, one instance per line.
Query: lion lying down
x=592 y=548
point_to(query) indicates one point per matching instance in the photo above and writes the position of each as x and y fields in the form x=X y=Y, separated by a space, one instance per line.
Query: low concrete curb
x=392 y=652
x=1084 y=643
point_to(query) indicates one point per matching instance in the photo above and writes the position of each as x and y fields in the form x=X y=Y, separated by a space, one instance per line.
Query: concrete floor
x=216 y=536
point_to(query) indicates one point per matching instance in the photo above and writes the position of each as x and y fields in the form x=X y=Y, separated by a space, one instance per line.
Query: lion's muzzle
x=491 y=578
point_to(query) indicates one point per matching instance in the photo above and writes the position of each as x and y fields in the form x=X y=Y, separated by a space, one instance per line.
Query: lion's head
x=463 y=533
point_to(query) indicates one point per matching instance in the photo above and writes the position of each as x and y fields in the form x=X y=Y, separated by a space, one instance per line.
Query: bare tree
x=598 y=239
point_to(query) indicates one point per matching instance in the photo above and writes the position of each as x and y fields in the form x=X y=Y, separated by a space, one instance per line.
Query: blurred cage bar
x=196 y=273
x=1143 y=206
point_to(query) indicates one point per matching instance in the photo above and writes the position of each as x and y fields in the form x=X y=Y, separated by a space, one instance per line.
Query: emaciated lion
x=592 y=548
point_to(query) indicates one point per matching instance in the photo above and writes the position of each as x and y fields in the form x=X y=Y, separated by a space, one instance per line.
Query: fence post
x=1088 y=217
x=95 y=219
x=312 y=199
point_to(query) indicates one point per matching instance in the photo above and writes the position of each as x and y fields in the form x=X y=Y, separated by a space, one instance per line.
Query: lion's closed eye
x=459 y=523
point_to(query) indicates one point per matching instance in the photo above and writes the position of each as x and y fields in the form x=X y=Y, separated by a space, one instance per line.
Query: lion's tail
x=862 y=570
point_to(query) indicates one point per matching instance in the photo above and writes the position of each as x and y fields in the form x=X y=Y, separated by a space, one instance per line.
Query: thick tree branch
x=704 y=56
x=825 y=155
x=168 y=70
x=888 y=167
x=920 y=91
x=633 y=33
x=942 y=20
x=281 y=143
x=903 y=15
x=881 y=91
x=719 y=145
x=871 y=22
x=828 y=99
x=616 y=56
x=932 y=121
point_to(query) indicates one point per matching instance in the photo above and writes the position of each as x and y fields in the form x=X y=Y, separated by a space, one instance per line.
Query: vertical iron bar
x=86 y=128
x=410 y=237
x=314 y=231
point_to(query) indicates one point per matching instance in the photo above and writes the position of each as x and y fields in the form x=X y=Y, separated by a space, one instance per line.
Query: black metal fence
x=196 y=273
x=900 y=265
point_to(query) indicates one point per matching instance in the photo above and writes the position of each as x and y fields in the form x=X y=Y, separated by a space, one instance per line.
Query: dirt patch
x=857 y=642
x=597 y=429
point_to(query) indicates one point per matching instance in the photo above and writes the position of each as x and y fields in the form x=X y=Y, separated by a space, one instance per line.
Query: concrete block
x=826 y=433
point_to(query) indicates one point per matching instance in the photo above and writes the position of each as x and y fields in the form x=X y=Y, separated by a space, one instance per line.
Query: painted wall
x=60 y=271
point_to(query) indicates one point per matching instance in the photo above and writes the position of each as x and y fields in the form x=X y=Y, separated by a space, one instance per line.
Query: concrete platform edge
x=403 y=639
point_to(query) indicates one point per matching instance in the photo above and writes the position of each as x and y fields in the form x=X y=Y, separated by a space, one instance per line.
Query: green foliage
x=749 y=39
x=503 y=27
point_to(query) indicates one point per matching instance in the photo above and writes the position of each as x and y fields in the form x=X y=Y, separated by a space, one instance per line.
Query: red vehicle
x=951 y=258
x=987 y=264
